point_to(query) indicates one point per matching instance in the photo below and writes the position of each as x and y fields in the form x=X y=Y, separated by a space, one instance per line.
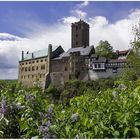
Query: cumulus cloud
x=118 y=34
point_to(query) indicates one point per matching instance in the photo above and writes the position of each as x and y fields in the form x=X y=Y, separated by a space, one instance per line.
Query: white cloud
x=118 y=34
x=80 y=14
x=135 y=14
x=82 y=5
x=6 y=36
x=69 y=20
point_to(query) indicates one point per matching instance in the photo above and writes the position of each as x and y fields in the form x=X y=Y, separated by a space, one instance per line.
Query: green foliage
x=53 y=93
x=101 y=84
x=72 y=89
x=105 y=49
x=113 y=113
x=132 y=71
x=106 y=108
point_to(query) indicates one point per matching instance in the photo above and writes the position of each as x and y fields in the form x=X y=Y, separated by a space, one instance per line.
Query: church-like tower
x=80 y=34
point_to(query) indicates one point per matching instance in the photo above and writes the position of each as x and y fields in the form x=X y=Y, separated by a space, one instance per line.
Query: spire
x=80 y=16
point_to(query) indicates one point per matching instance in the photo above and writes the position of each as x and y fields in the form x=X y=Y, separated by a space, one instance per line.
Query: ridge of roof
x=39 y=53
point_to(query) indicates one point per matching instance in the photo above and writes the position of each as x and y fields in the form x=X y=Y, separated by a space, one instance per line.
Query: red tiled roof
x=117 y=60
x=122 y=52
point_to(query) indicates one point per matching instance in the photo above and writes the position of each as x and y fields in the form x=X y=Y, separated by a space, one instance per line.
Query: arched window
x=65 y=68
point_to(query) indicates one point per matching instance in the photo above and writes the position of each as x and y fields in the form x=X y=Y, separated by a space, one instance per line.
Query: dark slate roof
x=83 y=51
x=100 y=60
x=94 y=56
x=60 y=56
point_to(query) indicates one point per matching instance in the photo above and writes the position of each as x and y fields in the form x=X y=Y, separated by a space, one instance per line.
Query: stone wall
x=33 y=71
x=59 y=78
x=60 y=65
x=94 y=75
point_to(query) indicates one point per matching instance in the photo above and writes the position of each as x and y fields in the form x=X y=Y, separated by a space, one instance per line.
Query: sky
x=32 y=25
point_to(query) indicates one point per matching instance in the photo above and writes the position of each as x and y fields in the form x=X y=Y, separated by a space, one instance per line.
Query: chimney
x=22 y=57
x=49 y=57
x=117 y=52
x=32 y=55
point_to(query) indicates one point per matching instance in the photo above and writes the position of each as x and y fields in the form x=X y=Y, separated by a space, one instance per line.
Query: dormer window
x=98 y=66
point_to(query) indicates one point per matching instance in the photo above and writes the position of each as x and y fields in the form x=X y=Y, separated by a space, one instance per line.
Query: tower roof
x=80 y=22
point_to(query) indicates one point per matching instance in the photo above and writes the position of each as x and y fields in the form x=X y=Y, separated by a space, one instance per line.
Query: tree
x=104 y=49
x=133 y=59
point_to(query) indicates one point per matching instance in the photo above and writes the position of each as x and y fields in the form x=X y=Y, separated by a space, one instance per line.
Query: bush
x=94 y=109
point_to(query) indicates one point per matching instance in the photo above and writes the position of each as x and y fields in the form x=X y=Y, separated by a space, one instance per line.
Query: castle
x=55 y=66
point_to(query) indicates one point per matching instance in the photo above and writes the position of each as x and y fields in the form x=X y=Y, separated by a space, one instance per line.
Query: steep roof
x=124 y=52
x=99 y=60
x=83 y=51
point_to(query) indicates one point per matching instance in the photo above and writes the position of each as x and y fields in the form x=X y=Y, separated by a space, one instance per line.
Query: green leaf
x=136 y=131
x=116 y=133
x=1 y=132
x=126 y=131
x=137 y=123
x=7 y=121
x=85 y=121
x=67 y=130
x=96 y=130
x=35 y=137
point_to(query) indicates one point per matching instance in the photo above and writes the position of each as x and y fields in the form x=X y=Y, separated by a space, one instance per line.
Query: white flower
x=74 y=117
x=122 y=86
x=63 y=111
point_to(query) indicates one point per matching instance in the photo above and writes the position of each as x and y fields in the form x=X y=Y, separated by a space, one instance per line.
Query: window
x=42 y=67
x=22 y=69
x=25 y=68
x=32 y=76
x=22 y=63
x=95 y=65
x=36 y=67
x=33 y=68
x=45 y=59
x=82 y=68
x=26 y=63
x=76 y=35
x=29 y=62
x=36 y=61
x=114 y=70
x=33 y=62
x=65 y=68
x=102 y=65
x=29 y=69
x=41 y=60
x=99 y=65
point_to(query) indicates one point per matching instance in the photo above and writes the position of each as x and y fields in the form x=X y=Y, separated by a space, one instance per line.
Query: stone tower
x=74 y=65
x=80 y=34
